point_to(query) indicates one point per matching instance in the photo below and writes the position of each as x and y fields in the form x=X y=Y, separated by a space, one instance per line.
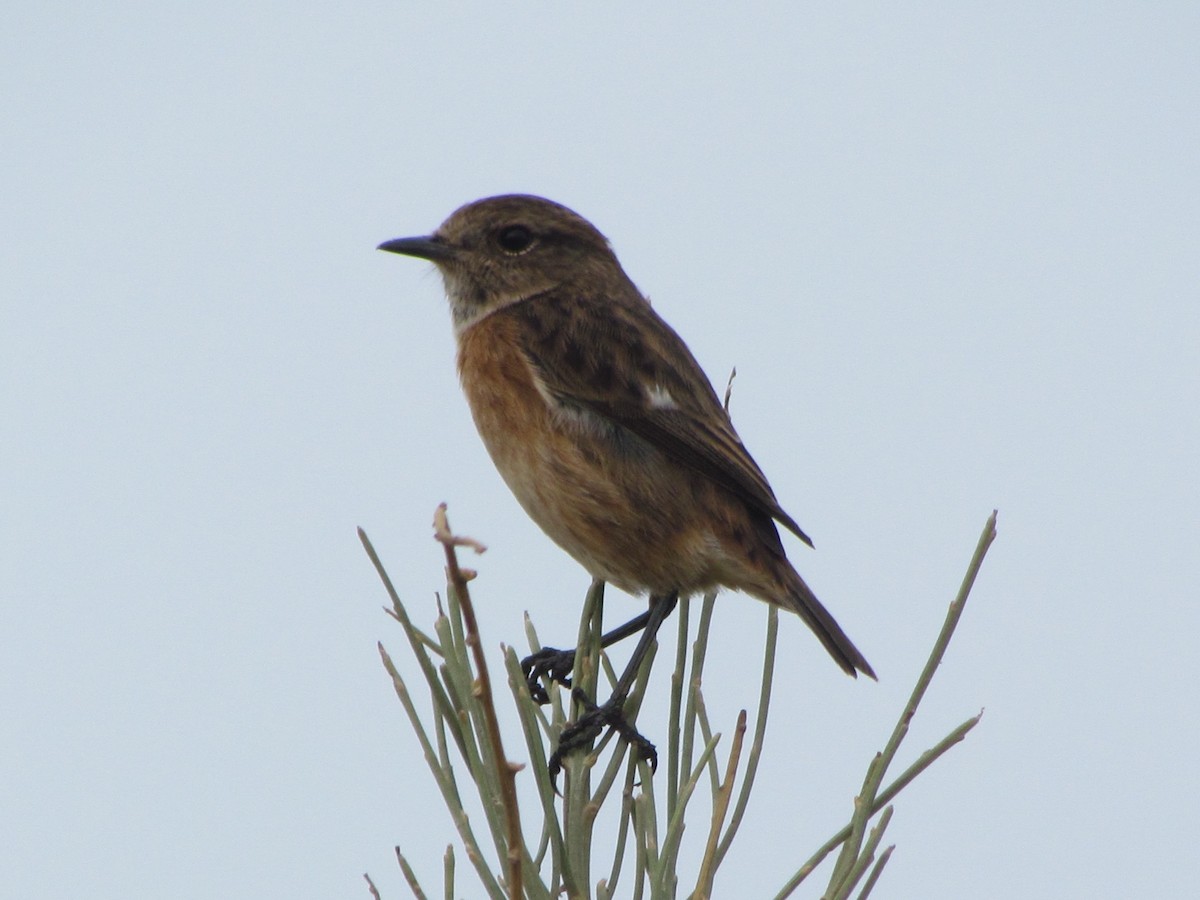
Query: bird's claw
x=556 y=665
x=579 y=734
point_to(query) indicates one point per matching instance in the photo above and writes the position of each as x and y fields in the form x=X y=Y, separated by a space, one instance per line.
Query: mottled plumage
x=599 y=418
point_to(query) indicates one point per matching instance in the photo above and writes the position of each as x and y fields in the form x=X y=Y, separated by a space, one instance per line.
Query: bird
x=607 y=431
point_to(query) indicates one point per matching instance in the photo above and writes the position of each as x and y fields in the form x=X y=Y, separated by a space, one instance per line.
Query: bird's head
x=501 y=250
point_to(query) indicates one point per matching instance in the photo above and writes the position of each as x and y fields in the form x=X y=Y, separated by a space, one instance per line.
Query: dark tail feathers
x=806 y=605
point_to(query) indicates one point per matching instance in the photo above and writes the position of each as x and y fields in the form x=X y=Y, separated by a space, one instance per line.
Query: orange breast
x=511 y=415
x=626 y=512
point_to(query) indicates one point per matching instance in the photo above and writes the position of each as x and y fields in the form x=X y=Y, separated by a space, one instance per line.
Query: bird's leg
x=580 y=733
x=556 y=665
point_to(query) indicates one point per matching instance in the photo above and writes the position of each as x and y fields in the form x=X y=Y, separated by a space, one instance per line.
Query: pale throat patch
x=466 y=311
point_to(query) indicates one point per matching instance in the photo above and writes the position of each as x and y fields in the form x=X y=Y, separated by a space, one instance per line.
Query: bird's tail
x=806 y=605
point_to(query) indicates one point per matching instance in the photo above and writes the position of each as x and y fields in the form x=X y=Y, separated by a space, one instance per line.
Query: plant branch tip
x=443 y=535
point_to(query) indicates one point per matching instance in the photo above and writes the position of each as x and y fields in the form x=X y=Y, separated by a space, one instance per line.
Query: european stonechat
x=601 y=421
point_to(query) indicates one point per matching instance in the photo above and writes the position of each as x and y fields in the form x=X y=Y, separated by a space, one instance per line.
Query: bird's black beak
x=432 y=247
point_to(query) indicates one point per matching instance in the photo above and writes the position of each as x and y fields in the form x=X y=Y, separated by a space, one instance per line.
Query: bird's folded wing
x=653 y=386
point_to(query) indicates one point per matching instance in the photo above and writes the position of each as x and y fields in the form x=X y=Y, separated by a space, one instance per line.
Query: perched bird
x=603 y=424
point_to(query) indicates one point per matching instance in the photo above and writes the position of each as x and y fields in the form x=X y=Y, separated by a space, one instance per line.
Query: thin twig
x=410 y=876
x=842 y=892
x=695 y=679
x=417 y=639
x=760 y=729
x=876 y=871
x=533 y=724
x=506 y=772
x=708 y=866
x=866 y=800
x=869 y=800
x=886 y=796
x=678 y=676
x=576 y=767
x=675 y=827
x=444 y=778
x=448 y=873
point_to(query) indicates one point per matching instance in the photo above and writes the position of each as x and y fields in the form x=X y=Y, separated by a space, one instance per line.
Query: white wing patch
x=660 y=398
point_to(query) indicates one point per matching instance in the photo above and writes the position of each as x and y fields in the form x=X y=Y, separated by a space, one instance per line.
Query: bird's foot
x=579 y=734
x=556 y=665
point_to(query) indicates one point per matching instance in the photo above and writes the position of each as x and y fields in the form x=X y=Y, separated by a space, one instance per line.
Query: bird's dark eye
x=515 y=239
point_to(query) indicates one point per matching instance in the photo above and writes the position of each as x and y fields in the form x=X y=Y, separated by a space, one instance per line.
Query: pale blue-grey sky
x=952 y=251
